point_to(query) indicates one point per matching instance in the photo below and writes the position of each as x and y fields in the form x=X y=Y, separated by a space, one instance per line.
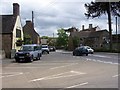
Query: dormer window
x=18 y=33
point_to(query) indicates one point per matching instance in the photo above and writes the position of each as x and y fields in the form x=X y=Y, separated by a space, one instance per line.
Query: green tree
x=62 y=40
x=96 y=9
x=27 y=39
x=45 y=37
x=76 y=41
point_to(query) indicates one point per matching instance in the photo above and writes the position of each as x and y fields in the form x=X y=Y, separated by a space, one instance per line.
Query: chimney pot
x=90 y=26
x=82 y=27
x=28 y=21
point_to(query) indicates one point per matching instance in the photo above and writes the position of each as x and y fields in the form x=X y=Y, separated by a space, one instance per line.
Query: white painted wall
x=44 y=41
x=18 y=25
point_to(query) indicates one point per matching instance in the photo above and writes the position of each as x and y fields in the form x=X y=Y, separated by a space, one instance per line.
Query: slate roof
x=8 y=22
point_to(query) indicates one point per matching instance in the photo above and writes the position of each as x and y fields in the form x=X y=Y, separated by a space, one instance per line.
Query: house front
x=96 y=39
x=30 y=35
x=12 y=32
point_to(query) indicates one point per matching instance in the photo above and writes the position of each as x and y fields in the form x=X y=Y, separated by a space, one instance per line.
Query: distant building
x=32 y=35
x=116 y=42
x=44 y=41
x=12 y=33
x=91 y=37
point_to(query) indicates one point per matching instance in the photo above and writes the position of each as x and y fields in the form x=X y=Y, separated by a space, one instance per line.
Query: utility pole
x=33 y=18
x=53 y=40
x=116 y=31
x=116 y=24
x=53 y=35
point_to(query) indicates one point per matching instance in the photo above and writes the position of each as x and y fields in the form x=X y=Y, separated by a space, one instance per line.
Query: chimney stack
x=90 y=26
x=82 y=27
x=16 y=10
x=29 y=23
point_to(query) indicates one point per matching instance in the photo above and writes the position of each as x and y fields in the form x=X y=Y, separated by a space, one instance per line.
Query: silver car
x=90 y=50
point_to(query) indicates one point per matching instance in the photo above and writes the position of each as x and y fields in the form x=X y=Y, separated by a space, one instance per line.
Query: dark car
x=52 y=48
x=80 y=51
x=28 y=53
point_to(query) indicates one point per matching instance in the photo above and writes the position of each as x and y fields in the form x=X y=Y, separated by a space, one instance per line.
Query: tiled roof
x=83 y=34
x=28 y=27
x=8 y=22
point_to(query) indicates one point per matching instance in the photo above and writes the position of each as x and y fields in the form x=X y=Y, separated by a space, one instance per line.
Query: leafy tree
x=51 y=41
x=76 y=41
x=45 y=37
x=62 y=40
x=27 y=39
x=96 y=9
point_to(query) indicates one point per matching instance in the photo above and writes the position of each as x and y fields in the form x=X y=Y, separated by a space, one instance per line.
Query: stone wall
x=7 y=44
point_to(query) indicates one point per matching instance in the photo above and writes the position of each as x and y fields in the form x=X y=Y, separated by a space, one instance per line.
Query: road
x=62 y=70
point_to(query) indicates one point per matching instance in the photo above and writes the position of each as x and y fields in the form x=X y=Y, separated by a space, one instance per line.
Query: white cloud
x=51 y=15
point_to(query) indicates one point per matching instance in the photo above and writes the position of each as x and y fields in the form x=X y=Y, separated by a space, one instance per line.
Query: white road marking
x=64 y=66
x=106 y=62
x=116 y=75
x=101 y=56
x=77 y=85
x=101 y=61
x=60 y=75
x=88 y=59
x=109 y=62
x=23 y=67
x=12 y=75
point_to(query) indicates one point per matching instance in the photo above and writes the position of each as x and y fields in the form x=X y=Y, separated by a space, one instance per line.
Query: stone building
x=92 y=37
x=12 y=31
x=29 y=31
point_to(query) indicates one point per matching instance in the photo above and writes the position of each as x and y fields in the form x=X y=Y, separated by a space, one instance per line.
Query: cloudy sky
x=51 y=15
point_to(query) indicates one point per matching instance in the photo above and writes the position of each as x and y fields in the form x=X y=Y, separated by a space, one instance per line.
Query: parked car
x=52 y=48
x=29 y=53
x=80 y=51
x=90 y=50
x=45 y=49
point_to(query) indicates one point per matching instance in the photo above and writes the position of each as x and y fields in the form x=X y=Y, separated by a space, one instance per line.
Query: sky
x=51 y=15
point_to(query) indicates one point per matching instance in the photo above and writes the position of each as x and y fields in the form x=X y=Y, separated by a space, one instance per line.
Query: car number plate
x=21 y=57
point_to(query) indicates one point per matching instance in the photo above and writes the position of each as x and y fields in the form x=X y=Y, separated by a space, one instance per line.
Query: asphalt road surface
x=62 y=70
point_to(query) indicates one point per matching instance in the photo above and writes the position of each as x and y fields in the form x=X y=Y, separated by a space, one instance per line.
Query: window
x=18 y=33
x=36 y=48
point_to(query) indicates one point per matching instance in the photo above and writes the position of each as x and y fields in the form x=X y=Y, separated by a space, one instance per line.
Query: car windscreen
x=44 y=46
x=27 y=48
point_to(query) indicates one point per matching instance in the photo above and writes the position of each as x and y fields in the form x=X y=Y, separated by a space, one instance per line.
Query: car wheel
x=31 y=59
x=38 y=57
x=86 y=54
x=45 y=52
x=17 y=60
